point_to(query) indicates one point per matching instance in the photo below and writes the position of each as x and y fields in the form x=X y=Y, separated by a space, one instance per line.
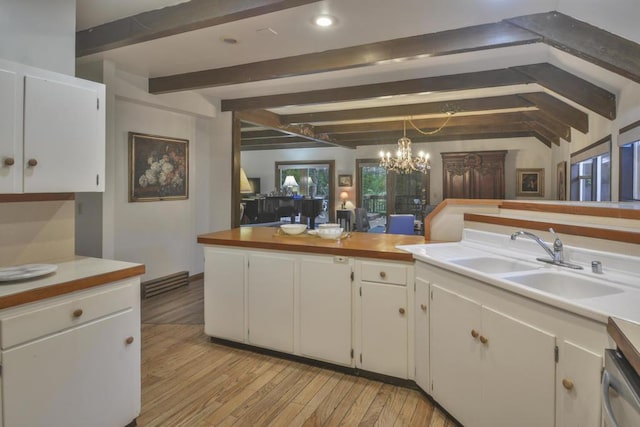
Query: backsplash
x=35 y=232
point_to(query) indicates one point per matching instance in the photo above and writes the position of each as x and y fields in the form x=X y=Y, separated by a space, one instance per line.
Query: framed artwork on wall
x=345 y=181
x=530 y=182
x=158 y=168
x=561 y=180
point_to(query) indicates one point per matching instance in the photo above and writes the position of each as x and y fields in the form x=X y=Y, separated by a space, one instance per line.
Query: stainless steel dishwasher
x=620 y=391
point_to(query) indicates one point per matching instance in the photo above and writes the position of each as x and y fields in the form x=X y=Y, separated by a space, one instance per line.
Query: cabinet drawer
x=28 y=323
x=384 y=273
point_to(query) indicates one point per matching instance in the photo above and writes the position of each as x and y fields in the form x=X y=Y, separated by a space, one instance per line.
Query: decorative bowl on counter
x=293 y=228
x=330 y=233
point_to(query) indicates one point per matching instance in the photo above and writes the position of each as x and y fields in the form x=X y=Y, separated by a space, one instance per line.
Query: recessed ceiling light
x=324 y=20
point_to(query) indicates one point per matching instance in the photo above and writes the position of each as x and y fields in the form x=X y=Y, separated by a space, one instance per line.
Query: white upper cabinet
x=58 y=122
x=10 y=146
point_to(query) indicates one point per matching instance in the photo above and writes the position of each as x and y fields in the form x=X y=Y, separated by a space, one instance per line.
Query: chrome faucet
x=557 y=254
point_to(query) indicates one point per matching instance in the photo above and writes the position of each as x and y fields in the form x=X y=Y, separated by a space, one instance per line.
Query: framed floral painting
x=158 y=168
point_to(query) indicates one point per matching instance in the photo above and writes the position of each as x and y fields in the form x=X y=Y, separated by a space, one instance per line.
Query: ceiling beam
x=560 y=129
x=600 y=47
x=172 y=20
x=391 y=137
x=271 y=120
x=468 y=39
x=463 y=105
x=251 y=146
x=425 y=125
x=559 y=110
x=464 y=81
x=263 y=134
x=572 y=87
x=542 y=131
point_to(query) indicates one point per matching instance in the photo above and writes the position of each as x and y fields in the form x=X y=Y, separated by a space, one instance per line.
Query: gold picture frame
x=345 y=180
x=158 y=168
x=530 y=182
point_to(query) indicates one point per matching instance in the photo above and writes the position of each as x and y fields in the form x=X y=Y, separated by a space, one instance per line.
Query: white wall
x=162 y=235
x=39 y=33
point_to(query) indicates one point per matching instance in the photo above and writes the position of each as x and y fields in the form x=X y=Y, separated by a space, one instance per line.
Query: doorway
x=382 y=193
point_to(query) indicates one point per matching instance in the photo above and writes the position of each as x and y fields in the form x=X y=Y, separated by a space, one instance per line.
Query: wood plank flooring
x=189 y=381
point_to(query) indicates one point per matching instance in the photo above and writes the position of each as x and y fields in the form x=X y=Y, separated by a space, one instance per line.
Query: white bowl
x=328 y=225
x=293 y=228
x=330 y=233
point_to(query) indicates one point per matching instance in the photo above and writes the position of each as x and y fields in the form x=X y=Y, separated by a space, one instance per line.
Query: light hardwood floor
x=189 y=381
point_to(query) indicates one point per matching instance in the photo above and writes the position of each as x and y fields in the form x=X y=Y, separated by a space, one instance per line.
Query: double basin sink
x=535 y=276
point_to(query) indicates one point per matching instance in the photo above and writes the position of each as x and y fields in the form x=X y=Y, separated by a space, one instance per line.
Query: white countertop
x=619 y=271
x=71 y=272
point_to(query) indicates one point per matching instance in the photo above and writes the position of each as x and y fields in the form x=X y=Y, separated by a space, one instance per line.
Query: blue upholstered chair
x=401 y=224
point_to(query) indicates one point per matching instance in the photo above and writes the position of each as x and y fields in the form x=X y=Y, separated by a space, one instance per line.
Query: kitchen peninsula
x=347 y=302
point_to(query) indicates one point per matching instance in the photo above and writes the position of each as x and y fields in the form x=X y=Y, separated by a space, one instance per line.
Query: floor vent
x=164 y=284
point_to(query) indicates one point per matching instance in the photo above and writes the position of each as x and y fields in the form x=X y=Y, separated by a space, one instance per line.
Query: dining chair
x=401 y=224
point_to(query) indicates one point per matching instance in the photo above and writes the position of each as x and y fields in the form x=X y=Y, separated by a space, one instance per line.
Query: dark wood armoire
x=473 y=175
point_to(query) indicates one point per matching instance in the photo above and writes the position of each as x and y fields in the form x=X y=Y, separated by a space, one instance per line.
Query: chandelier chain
x=433 y=132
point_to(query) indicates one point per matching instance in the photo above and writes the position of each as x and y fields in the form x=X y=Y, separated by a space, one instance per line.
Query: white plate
x=26 y=271
x=312 y=232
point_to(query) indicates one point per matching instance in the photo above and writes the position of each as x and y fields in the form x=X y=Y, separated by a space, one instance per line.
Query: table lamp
x=290 y=182
x=245 y=185
x=344 y=196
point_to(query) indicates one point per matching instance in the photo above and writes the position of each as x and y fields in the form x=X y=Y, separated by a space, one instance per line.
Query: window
x=630 y=171
x=591 y=179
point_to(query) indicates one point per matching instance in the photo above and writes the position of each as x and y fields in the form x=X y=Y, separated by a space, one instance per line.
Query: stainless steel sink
x=493 y=265
x=564 y=285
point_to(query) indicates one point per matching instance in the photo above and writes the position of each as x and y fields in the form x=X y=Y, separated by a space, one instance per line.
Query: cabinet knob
x=77 y=313
x=475 y=333
x=483 y=339
x=129 y=340
x=9 y=161
x=383 y=274
x=401 y=311
x=423 y=307
x=567 y=383
x=32 y=162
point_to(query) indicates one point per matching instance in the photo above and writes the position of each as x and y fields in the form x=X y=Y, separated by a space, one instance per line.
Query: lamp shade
x=245 y=186
x=290 y=181
x=344 y=196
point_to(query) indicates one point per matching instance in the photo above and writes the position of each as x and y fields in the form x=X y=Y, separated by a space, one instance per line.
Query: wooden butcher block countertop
x=367 y=245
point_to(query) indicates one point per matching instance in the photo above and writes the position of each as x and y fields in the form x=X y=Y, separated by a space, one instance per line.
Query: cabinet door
x=64 y=133
x=455 y=354
x=224 y=273
x=10 y=145
x=270 y=306
x=84 y=376
x=384 y=329
x=518 y=370
x=422 y=333
x=578 y=385
x=325 y=309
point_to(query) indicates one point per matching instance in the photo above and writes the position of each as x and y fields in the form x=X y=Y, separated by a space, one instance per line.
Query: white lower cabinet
x=421 y=352
x=224 y=272
x=325 y=309
x=578 y=386
x=316 y=306
x=383 y=321
x=270 y=302
x=489 y=369
x=73 y=360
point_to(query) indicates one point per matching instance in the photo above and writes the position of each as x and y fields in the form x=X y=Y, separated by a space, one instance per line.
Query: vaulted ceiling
x=490 y=75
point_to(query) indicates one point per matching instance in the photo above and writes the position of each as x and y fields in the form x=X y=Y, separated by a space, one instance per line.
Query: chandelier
x=405 y=162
